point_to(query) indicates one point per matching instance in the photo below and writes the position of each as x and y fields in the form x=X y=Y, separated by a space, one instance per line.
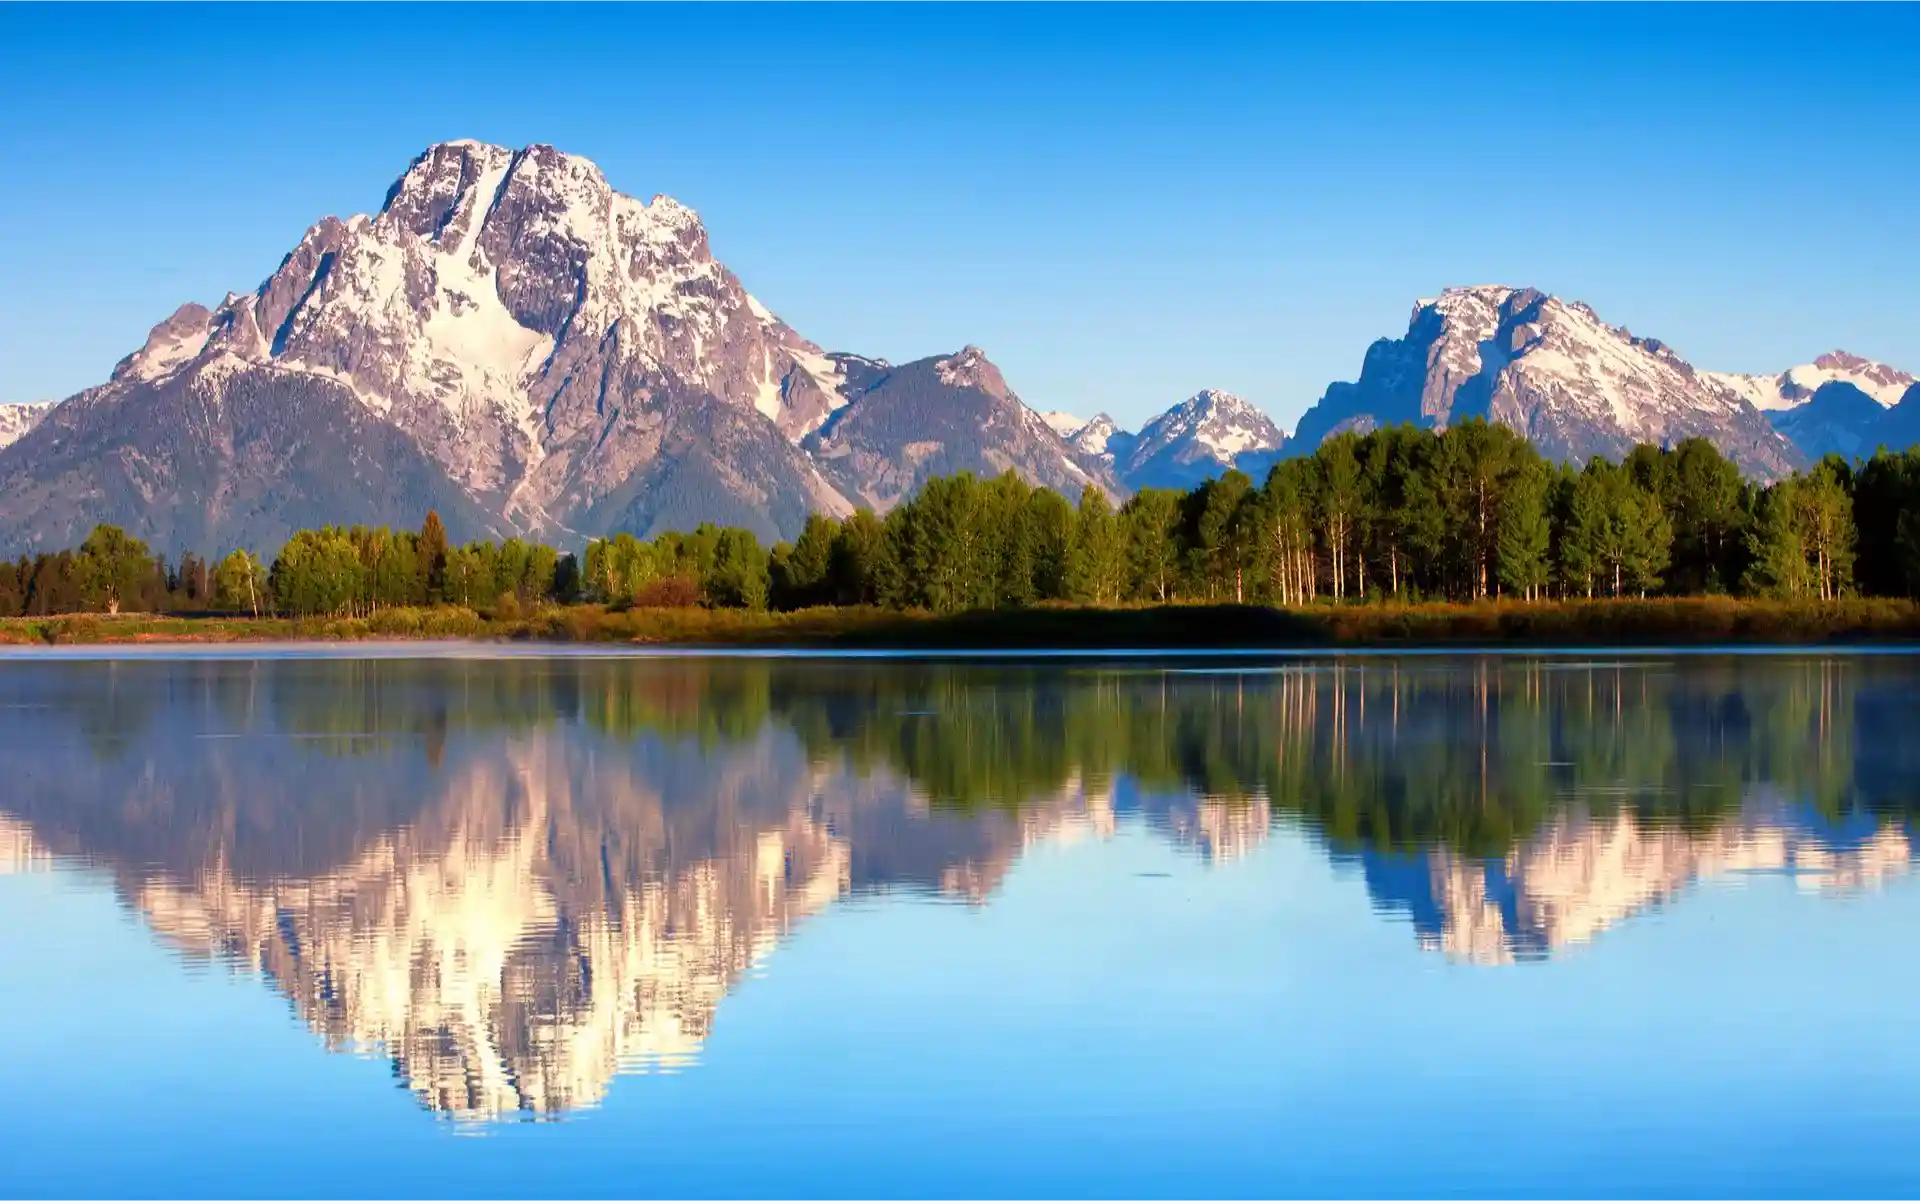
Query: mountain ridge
x=512 y=341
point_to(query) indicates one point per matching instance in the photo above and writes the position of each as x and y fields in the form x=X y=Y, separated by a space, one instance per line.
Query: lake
x=453 y=922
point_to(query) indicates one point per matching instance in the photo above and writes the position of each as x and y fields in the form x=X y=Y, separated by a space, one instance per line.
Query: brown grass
x=1687 y=621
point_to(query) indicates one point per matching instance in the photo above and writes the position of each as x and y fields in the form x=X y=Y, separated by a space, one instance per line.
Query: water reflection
x=519 y=879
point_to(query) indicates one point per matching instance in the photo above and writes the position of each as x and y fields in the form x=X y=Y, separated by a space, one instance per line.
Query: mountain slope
x=218 y=457
x=1837 y=419
x=1551 y=370
x=1900 y=429
x=907 y=424
x=1199 y=438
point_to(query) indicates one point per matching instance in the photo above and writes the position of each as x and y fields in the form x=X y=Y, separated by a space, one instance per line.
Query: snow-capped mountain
x=1208 y=433
x=1101 y=438
x=17 y=419
x=1796 y=385
x=1550 y=369
x=1063 y=423
x=508 y=339
x=1837 y=419
x=1839 y=404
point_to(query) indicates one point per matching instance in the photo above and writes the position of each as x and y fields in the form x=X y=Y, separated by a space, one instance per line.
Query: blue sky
x=1121 y=205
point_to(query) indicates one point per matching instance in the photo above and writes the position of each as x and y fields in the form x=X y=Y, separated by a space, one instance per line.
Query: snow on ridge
x=1093 y=436
x=1063 y=423
x=1220 y=423
x=18 y=417
x=1796 y=385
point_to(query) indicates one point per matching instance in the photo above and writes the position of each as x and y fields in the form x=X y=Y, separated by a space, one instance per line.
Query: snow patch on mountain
x=1219 y=423
x=1096 y=436
x=1063 y=423
x=17 y=418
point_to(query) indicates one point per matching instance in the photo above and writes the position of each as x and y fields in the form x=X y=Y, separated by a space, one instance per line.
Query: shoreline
x=1063 y=631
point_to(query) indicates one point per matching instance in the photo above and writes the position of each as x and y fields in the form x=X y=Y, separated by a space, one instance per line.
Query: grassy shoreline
x=1686 y=621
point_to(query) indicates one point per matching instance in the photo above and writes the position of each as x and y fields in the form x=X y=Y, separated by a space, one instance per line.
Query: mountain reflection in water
x=518 y=879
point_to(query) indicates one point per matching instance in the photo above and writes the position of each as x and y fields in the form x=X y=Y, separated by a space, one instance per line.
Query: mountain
x=1838 y=404
x=1797 y=385
x=1837 y=419
x=1900 y=429
x=510 y=340
x=1195 y=440
x=1199 y=438
x=904 y=425
x=1550 y=369
x=17 y=419
x=1063 y=423
x=1102 y=438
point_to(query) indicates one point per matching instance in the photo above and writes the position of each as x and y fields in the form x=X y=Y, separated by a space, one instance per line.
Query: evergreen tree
x=1778 y=556
x=1097 y=562
x=431 y=557
x=802 y=578
x=1525 y=532
x=1152 y=521
x=1222 y=543
x=854 y=570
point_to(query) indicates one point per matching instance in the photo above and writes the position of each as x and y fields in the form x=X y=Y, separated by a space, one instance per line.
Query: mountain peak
x=1098 y=437
x=1843 y=360
x=1550 y=368
x=1063 y=423
x=169 y=344
x=972 y=369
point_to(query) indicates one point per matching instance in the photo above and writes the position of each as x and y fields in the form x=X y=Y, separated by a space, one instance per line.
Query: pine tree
x=432 y=557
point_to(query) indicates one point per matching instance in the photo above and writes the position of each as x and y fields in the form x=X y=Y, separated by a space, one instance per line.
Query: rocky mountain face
x=17 y=419
x=901 y=426
x=510 y=340
x=1195 y=440
x=1553 y=371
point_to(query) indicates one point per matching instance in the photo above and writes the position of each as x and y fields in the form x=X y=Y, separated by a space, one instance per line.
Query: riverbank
x=1688 y=621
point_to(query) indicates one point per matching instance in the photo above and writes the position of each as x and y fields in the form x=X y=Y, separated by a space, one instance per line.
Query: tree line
x=1400 y=514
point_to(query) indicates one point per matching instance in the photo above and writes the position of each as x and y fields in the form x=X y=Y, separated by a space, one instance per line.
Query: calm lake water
x=331 y=925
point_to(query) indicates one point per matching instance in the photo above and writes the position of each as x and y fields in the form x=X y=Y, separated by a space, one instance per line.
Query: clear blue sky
x=1121 y=205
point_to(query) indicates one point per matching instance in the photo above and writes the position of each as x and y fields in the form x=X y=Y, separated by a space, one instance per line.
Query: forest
x=1398 y=515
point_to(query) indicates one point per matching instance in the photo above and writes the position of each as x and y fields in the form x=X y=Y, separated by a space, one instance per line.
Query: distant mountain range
x=511 y=341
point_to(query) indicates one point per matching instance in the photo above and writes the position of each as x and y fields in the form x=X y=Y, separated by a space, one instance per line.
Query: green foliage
x=1399 y=515
x=1097 y=559
x=240 y=584
x=112 y=569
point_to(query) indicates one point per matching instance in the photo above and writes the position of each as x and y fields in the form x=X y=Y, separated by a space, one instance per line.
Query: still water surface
x=570 y=925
